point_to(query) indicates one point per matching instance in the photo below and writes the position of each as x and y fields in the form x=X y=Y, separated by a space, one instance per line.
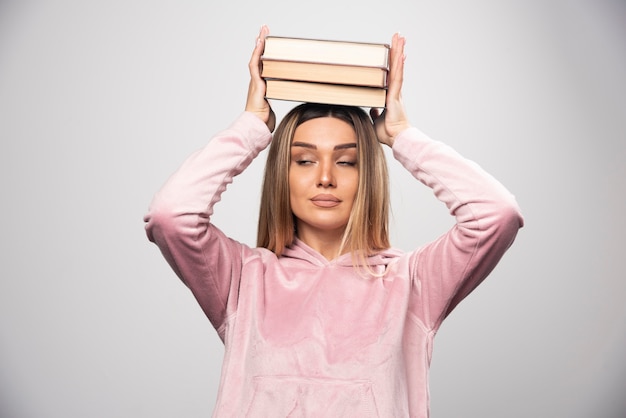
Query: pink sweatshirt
x=308 y=337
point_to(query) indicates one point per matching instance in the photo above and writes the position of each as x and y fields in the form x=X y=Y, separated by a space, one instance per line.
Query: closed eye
x=304 y=162
x=347 y=163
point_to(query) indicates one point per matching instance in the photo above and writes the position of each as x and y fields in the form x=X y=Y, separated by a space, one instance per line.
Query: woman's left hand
x=392 y=120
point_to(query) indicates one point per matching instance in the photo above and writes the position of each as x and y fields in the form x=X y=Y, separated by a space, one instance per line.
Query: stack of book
x=322 y=71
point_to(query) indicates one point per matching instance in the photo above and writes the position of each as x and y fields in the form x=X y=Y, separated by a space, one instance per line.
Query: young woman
x=323 y=318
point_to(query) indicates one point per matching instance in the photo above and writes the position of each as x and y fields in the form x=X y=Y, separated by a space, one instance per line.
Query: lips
x=325 y=200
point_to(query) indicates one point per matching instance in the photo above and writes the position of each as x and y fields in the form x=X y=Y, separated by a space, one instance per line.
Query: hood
x=301 y=251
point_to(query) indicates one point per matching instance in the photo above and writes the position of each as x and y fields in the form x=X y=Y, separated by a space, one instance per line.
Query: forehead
x=325 y=131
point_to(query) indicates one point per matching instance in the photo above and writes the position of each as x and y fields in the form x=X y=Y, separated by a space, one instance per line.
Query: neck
x=327 y=243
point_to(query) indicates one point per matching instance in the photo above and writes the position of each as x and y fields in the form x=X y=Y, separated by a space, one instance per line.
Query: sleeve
x=178 y=219
x=487 y=221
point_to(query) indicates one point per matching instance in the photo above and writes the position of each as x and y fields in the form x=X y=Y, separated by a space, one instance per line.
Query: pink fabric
x=308 y=337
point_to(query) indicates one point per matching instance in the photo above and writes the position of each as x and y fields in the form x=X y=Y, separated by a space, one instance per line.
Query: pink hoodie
x=308 y=337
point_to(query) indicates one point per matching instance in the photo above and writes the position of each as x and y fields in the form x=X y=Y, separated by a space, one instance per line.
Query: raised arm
x=487 y=220
x=486 y=213
x=179 y=216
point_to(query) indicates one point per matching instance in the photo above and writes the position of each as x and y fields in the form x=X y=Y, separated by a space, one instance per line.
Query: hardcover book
x=339 y=94
x=326 y=51
x=325 y=73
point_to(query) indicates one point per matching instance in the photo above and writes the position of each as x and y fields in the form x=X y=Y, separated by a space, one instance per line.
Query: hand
x=392 y=120
x=256 y=102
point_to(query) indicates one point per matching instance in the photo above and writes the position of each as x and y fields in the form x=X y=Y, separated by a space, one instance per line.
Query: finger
x=255 y=59
x=397 y=65
x=396 y=73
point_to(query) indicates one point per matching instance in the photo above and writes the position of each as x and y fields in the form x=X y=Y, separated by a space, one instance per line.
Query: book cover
x=326 y=51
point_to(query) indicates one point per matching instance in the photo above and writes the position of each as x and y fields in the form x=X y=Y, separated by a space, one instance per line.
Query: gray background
x=101 y=101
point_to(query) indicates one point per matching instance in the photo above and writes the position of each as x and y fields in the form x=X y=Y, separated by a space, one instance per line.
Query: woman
x=323 y=318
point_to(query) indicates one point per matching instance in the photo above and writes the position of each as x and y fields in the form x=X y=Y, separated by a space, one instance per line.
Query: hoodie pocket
x=287 y=396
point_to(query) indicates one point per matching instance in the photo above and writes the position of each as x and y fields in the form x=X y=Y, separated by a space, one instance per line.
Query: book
x=326 y=51
x=339 y=94
x=325 y=73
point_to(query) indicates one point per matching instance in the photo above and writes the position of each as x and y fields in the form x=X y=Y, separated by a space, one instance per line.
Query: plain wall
x=101 y=101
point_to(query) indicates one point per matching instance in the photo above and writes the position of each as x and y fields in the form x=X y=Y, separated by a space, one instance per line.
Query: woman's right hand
x=256 y=102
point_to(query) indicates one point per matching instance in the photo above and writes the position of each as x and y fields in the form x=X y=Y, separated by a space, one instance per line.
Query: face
x=323 y=175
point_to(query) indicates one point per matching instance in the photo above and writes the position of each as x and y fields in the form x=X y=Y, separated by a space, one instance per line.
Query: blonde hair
x=367 y=231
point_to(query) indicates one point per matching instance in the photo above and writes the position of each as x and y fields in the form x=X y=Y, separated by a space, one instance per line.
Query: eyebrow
x=312 y=146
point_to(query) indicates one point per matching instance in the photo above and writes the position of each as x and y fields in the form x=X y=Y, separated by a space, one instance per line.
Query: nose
x=326 y=177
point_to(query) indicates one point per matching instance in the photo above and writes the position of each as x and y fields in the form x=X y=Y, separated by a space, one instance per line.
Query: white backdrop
x=101 y=101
